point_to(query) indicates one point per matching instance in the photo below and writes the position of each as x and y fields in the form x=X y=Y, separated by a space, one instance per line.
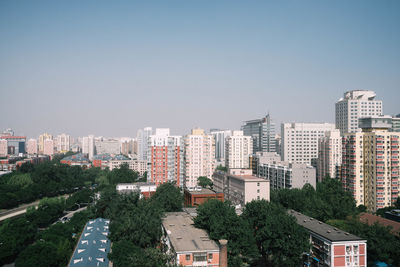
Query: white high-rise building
x=329 y=155
x=91 y=147
x=143 y=142
x=354 y=105
x=32 y=146
x=48 y=148
x=85 y=145
x=107 y=146
x=219 y=137
x=63 y=143
x=300 y=140
x=199 y=156
x=239 y=147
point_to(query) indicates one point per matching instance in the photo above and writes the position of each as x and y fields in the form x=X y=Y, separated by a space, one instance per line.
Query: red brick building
x=198 y=197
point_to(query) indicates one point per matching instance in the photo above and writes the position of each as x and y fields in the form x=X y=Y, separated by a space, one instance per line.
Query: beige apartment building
x=199 y=156
x=240 y=186
x=329 y=155
x=238 y=150
x=370 y=164
x=42 y=139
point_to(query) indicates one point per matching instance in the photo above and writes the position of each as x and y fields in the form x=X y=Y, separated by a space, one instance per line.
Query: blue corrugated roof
x=93 y=246
x=76 y=157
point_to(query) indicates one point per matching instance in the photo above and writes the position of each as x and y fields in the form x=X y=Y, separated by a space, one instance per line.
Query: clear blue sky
x=112 y=67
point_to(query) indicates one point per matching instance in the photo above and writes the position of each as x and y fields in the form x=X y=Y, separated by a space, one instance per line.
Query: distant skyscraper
x=354 y=105
x=199 y=156
x=219 y=137
x=85 y=145
x=32 y=146
x=396 y=123
x=329 y=155
x=143 y=142
x=91 y=147
x=48 y=148
x=63 y=143
x=300 y=140
x=238 y=150
x=42 y=138
x=262 y=132
x=166 y=158
x=107 y=146
x=15 y=144
x=3 y=147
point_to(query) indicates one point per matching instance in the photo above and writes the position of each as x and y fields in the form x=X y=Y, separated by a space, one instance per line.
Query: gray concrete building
x=262 y=131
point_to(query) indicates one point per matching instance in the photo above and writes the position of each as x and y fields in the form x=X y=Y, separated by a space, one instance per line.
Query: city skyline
x=108 y=70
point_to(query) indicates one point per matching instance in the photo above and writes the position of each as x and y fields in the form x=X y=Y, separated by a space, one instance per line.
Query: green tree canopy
x=205 y=182
x=168 y=197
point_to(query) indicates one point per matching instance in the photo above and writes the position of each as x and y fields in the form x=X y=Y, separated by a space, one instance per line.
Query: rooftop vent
x=328 y=231
x=178 y=237
x=171 y=224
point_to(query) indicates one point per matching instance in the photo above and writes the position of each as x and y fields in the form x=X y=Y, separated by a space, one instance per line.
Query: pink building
x=48 y=147
x=3 y=147
x=32 y=147
x=330 y=246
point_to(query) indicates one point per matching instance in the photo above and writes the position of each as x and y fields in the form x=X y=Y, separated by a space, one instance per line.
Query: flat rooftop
x=322 y=229
x=203 y=191
x=184 y=237
x=247 y=178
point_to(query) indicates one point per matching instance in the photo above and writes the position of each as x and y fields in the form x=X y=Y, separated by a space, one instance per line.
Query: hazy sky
x=111 y=67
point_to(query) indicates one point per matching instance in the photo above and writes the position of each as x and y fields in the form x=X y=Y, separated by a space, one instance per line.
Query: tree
x=168 y=197
x=279 y=238
x=122 y=175
x=221 y=168
x=39 y=254
x=205 y=182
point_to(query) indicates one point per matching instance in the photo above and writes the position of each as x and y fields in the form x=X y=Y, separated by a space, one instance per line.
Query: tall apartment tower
x=166 y=158
x=32 y=146
x=354 y=105
x=300 y=140
x=42 y=138
x=370 y=163
x=199 y=157
x=329 y=155
x=238 y=150
x=219 y=137
x=91 y=147
x=3 y=147
x=63 y=143
x=262 y=132
x=48 y=148
x=143 y=143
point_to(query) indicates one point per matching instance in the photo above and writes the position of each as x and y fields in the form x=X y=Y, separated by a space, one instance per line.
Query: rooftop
x=76 y=157
x=203 y=191
x=184 y=236
x=93 y=245
x=247 y=178
x=371 y=219
x=322 y=229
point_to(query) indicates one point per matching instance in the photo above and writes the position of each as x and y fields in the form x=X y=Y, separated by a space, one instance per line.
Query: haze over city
x=89 y=67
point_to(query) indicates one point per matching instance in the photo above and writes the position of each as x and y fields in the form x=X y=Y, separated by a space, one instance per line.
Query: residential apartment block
x=220 y=137
x=143 y=143
x=262 y=132
x=42 y=139
x=354 y=105
x=188 y=246
x=136 y=165
x=300 y=140
x=238 y=150
x=329 y=155
x=32 y=146
x=331 y=247
x=240 y=186
x=165 y=158
x=48 y=148
x=370 y=163
x=199 y=157
x=63 y=143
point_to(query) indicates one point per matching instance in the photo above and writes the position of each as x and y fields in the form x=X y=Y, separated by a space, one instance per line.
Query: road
x=20 y=210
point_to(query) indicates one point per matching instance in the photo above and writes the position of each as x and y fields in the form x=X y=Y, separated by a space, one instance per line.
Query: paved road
x=20 y=210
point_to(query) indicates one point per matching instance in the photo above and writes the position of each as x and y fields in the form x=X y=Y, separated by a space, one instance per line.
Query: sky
x=109 y=68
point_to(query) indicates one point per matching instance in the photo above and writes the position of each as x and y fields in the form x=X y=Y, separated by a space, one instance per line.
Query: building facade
x=3 y=147
x=166 y=158
x=396 y=123
x=32 y=147
x=220 y=137
x=300 y=140
x=107 y=146
x=262 y=132
x=42 y=139
x=354 y=105
x=143 y=143
x=329 y=155
x=199 y=157
x=15 y=144
x=238 y=150
x=136 y=165
x=370 y=163
x=48 y=148
x=63 y=143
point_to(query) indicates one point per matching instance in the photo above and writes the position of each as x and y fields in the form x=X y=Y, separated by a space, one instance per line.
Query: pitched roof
x=371 y=219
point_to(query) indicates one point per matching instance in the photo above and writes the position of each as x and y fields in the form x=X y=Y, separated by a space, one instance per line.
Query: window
x=258 y=184
x=188 y=257
x=210 y=256
x=199 y=257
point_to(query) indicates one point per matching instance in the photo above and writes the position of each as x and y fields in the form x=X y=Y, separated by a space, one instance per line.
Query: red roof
x=371 y=219
x=12 y=137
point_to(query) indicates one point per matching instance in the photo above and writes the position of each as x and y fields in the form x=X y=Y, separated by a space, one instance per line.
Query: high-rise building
x=396 y=123
x=143 y=142
x=199 y=157
x=32 y=146
x=63 y=143
x=238 y=150
x=91 y=147
x=3 y=147
x=107 y=146
x=262 y=132
x=48 y=148
x=300 y=140
x=370 y=163
x=220 y=137
x=166 y=158
x=42 y=138
x=15 y=144
x=354 y=105
x=329 y=155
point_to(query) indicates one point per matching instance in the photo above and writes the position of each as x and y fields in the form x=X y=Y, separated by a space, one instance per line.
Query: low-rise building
x=93 y=245
x=76 y=160
x=146 y=190
x=240 y=186
x=188 y=245
x=200 y=195
x=331 y=247
x=136 y=165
